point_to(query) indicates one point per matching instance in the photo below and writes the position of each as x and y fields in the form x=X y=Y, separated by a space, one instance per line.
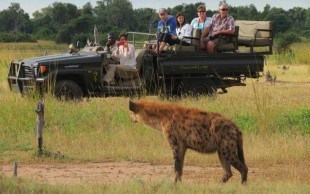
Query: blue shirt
x=168 y=26
x=196 y=25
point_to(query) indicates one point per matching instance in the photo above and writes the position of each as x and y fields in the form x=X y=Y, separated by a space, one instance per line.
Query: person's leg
x=124 y=71
x=109 y=76
x=210 y=46
x=161 y=46
x=160 y=38
x=204 y=43
x=185 y=43
x=166 y=38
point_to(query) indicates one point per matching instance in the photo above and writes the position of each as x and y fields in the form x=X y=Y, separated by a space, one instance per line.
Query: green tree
x=248 y=12
x=14 y=19
x=149 y=16
x=307 y=23
x=298 y=17
x=281 y=22
x=87 y=9
x=62 y=13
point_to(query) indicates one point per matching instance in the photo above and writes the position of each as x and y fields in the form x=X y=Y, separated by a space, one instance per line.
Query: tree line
x=66 y=23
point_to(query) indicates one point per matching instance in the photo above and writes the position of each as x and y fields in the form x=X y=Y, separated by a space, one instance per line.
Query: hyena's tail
x=240 y=148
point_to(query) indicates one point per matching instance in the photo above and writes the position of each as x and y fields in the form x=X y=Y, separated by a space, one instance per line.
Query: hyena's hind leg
x=223 y=156
x=242 y=168
x=237 y=161
x=178 y=150
x=230 y=157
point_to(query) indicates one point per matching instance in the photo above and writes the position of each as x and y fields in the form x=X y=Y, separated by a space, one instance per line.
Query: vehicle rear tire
x=68 y=90
x=203 y=89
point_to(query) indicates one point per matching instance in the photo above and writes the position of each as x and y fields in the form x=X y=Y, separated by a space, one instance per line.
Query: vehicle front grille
x=26 y=72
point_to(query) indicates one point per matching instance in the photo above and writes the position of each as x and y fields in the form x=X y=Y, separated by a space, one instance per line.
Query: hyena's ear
x=133 y=106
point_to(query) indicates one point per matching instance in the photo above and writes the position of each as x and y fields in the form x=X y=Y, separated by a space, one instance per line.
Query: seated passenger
x=125 y=52
x=221 y=23
x=111 y=43
x=183 y=29
x=202 y=21
x=166 y=30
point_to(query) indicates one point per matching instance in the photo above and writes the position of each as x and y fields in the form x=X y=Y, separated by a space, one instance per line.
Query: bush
x=81 y=38
x=298 y=120
x=247 y=123
x=283 y=42
x=16 y=37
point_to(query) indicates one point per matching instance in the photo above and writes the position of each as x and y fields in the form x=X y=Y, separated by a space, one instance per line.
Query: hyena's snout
x=133 y=117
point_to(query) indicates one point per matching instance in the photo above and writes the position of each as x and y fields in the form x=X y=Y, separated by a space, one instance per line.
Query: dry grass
x=99 y=130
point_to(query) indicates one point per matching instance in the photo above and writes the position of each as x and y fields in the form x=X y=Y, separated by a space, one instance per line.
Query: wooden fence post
x=15 y=169
x=40 y=124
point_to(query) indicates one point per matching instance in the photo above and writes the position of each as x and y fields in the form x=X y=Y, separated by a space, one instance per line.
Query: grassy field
x=275 y=120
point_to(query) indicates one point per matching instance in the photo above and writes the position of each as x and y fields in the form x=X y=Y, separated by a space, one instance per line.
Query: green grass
x=14 y=185
x=274 y=119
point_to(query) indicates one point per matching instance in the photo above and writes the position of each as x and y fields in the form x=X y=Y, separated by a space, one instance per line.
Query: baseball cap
x=162 y=10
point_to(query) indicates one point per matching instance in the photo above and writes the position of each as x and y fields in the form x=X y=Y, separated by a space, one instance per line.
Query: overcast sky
x=30 y=6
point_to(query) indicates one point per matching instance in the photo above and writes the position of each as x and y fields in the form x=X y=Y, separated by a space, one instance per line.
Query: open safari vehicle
x=178 y=70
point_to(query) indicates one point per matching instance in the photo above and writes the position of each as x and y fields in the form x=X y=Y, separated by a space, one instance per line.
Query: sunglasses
x=201 y=11
x=224 y=9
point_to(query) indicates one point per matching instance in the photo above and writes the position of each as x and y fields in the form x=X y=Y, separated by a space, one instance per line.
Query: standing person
x=202 y=21
x=125 y=52
x=183 y=29
x=166 y=30
x=221 y=23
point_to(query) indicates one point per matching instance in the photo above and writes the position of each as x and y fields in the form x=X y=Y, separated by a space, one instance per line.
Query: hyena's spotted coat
x=184 y=128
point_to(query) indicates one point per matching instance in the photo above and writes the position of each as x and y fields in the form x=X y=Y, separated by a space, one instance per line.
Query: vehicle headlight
x=42 y=69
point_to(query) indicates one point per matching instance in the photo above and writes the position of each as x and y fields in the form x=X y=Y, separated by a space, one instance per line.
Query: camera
x=120 y=43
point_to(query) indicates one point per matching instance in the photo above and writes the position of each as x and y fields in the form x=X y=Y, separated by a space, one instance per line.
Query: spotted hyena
x=187 y=128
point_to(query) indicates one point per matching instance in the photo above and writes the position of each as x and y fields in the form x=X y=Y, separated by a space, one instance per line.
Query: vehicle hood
x=65 y=58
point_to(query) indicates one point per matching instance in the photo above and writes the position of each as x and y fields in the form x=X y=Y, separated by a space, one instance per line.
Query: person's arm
x=205 y=32
x=230 y=27
x=187 y=30
x=131 y=50
x=194 y=23
x=116 y=52
x=173 y=26
x=128 y=50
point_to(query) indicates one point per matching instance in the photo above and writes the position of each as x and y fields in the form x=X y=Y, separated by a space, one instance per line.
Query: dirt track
x=116 y=172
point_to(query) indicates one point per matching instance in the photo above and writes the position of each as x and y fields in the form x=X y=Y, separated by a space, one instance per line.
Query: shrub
x=16 y=37
x=283 y=42
x=246 y=123
x=298 y=120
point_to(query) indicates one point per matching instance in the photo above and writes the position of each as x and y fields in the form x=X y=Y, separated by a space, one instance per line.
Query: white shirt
x=185 y=30
x=127 y=58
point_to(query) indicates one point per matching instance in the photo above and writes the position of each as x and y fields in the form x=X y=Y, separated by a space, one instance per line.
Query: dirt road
x=113 y=172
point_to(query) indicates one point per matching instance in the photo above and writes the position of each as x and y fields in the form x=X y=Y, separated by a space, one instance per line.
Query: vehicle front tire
x=68 y=90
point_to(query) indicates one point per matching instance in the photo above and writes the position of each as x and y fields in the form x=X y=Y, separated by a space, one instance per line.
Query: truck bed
x=223 y=64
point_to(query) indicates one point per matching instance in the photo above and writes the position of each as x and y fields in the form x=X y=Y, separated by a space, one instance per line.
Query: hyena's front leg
x=178 y=151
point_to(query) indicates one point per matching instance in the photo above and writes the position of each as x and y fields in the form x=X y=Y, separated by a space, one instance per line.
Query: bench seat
x=255 y=34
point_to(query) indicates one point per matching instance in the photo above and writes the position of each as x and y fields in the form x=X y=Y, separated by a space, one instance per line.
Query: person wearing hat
x=166 y=30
